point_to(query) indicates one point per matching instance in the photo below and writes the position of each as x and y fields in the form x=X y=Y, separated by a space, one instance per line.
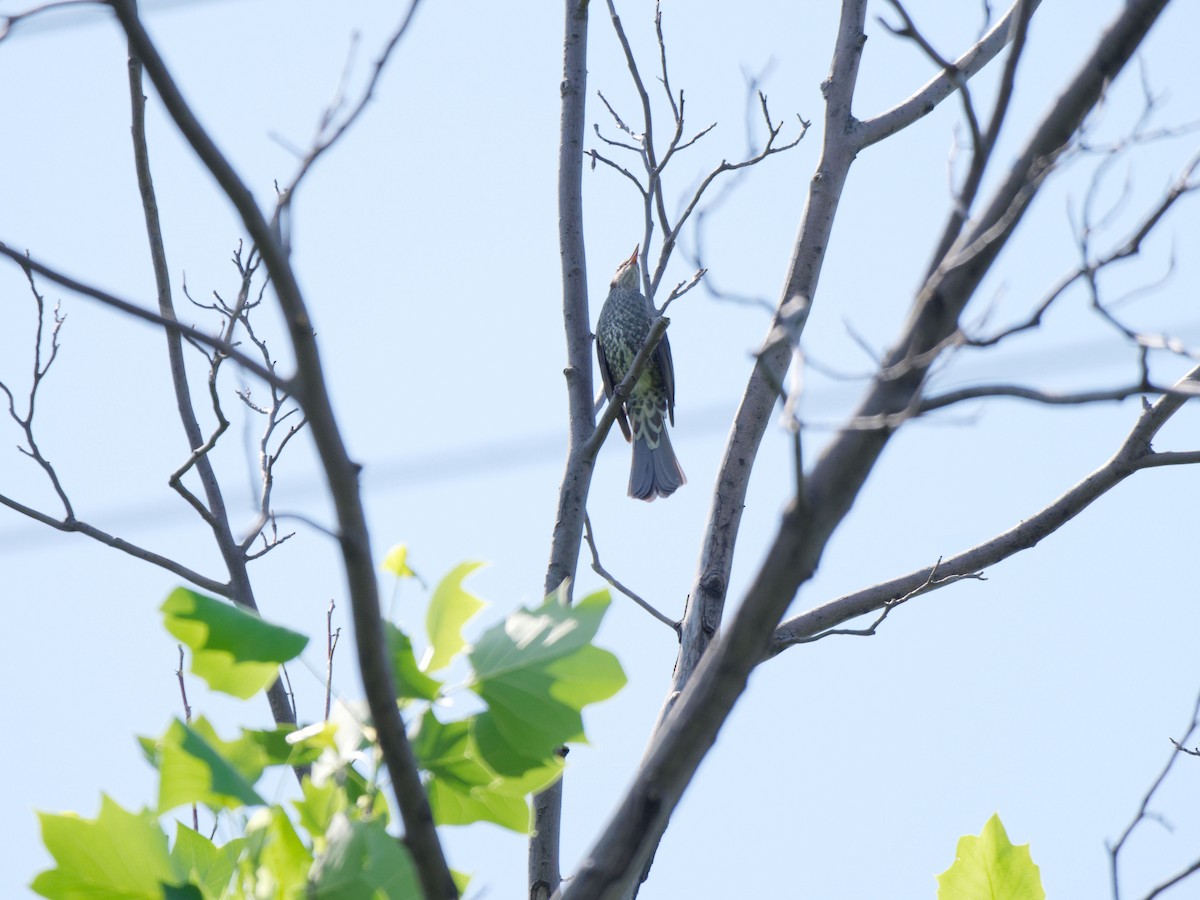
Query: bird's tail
x=655 y=472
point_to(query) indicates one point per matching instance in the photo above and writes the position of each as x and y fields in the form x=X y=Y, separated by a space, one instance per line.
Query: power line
x=498 y=457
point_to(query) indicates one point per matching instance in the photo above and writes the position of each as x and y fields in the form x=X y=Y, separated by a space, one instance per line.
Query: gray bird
x=620 y=332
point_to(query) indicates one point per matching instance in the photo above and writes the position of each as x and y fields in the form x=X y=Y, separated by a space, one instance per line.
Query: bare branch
x=1171 y=882
x=909 y=30
x=139 y=312
x=693 y=716
x=40 y=371
x=1195 y=751
x=329 y=131
x=702 y=618
x=653 y=195
x=1114 y=850
x=598 y=157
x=983 y=144
x=213 y=511
x=931 y=583
x=671 y=235
x=187 y=717
x=676 y=110
x=8 y=21
x=1134 y=454
x=607 y=576
x=341 y=472
x=1089 y=268
x=544 y=873
x=926 y=99
x=1050 y=398
x=331 y=641
x=620 y=125
x=72 y=524
x=682 y=288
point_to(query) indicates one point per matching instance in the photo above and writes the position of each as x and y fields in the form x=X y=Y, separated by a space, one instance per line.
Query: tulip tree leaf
x=196 y=766
x=989 y=867
x=276 y=863
x=536 y=671
x=361 y=862
x=450 y=608
x=117 y=854
x=409 y=680
x=234 y=651
x=462 y=787
x=396 y=562
x=198 y=860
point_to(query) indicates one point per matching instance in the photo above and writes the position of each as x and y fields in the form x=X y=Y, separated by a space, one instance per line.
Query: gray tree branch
x=341 y=473
x=544 y=873
x=213 y=511
x=1134 y=454
x=691 y=723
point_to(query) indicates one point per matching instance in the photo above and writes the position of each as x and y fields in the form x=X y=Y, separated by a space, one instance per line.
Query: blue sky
x=427 y=247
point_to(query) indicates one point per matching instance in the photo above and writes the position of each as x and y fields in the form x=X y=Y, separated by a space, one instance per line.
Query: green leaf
x=276 y=862
x=537 y=671
x=989 y=867
x=462 y=788
x=196 y=766
x=450 y=608
x=289 y=746
x=197 y=860
x=409 y=680
x=396 y=562
x=234 y=651
x=320 y=803
x=118 y=854
x=181 y=892
x=361 y=859
x=455 y=807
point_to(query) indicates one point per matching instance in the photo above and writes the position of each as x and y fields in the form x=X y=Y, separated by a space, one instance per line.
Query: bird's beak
x=633 y=259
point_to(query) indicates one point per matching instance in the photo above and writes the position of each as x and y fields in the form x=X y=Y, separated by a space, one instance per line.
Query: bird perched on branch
x=620 y=332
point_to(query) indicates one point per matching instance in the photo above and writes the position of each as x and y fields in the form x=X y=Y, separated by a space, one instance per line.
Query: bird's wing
x=662 y=359
x=607 y=378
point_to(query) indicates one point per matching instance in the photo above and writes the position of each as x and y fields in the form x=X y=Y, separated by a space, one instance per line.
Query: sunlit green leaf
x=360 y=859
x=989 y=867
x=320 y=803
x=289 y=746
x=450 y=608
x=196 y=766
x=537 y=670
x=275 y=863
x=117 y=854
x=409 y=680
x=234 y=651
x=197 y=860
x=463 y=788
x=396 y=562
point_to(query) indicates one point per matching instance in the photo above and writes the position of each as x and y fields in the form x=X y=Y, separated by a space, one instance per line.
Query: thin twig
x=931 y=583
x=331 y=642
x=214 y=510
x=341 y=472
x=8 y=21
x=187 y=717
x=328 y=133
x=1114 y=850
x=607 y=576
x=138 y=312
x=1134 y=454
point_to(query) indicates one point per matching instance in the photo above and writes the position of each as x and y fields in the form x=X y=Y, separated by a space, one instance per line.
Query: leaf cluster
x=531 y=675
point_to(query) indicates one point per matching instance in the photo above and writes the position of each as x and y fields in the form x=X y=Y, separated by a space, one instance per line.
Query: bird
x=621 y=330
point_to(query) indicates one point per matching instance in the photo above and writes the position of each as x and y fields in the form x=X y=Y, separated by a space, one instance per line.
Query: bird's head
x=627 y=273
